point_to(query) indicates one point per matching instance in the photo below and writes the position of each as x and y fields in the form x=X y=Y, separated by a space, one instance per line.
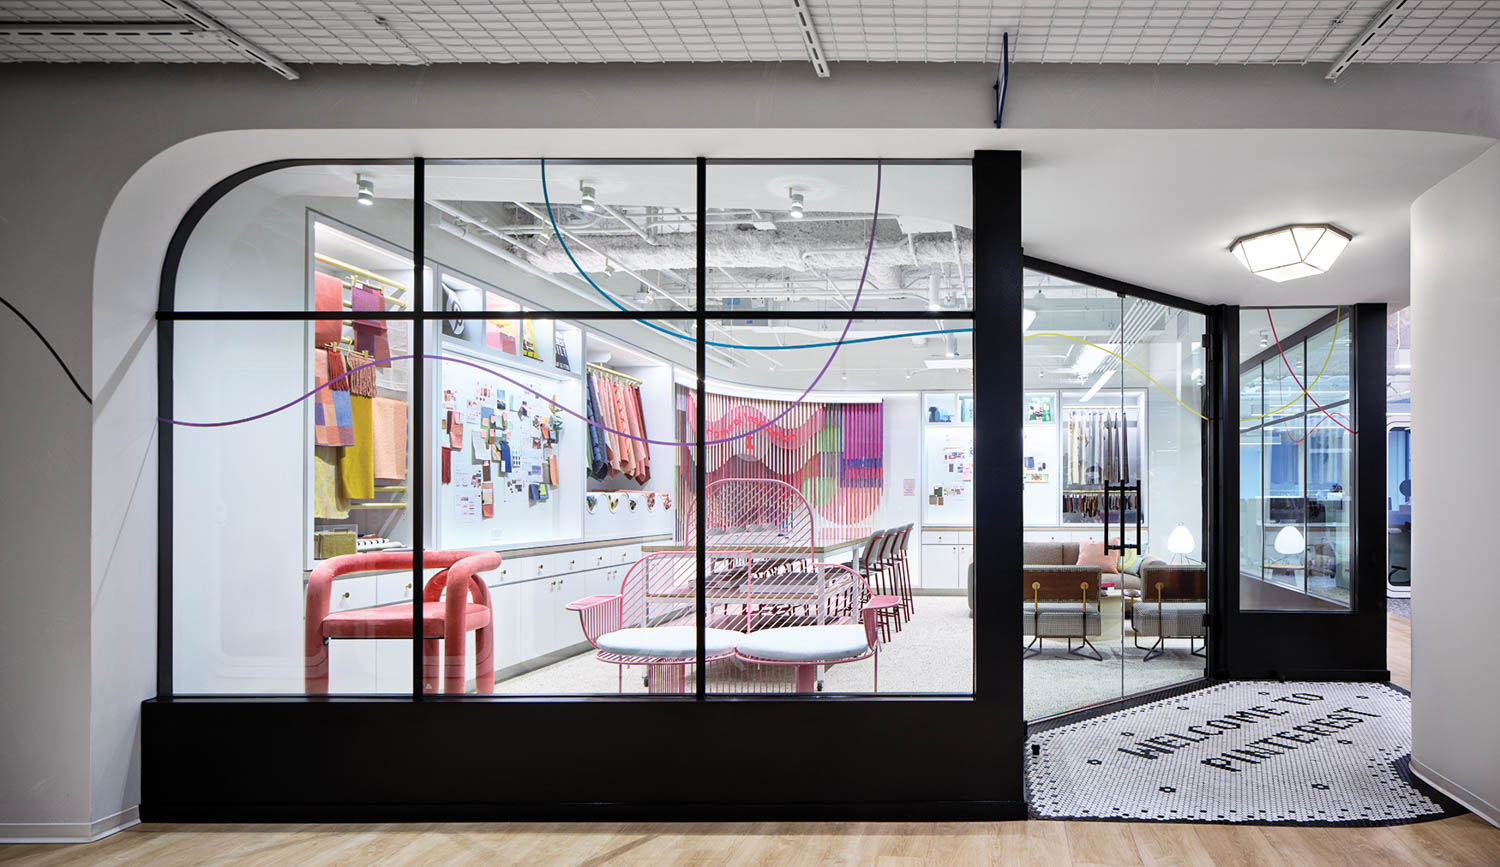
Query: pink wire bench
x=763 y=612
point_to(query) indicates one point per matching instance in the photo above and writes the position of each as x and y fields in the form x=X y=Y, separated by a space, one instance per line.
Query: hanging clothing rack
x=599 y=368
x=368 y=275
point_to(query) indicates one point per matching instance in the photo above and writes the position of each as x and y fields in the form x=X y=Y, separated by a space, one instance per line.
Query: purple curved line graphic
x=869 y=252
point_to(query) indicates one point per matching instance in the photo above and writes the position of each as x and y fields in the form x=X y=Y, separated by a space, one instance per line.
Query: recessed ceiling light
x=364 y=190
x=797 y=200
x=587 y=194
x=1291 y=251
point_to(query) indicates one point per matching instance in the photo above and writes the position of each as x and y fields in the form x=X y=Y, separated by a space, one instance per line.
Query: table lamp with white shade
x=1181 y=541
x=1289 y=541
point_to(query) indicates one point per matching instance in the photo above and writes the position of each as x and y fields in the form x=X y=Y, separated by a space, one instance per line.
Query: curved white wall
x=1455 y=289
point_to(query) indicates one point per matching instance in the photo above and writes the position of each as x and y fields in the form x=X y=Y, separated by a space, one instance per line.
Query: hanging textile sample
x=357 y=461
x=326 y=500
x=333 y=421
x=389 y=437
x=328 y=297
x=369 y=334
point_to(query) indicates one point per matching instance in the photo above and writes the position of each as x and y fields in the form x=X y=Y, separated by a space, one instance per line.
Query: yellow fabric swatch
x=326 y=500
x=357 y=462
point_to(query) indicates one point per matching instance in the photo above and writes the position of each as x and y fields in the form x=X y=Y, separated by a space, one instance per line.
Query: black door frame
x=1311 y=645
x=299 y=758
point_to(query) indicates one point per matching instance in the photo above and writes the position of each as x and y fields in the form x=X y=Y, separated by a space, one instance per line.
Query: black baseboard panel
x=373 y=759
x=510 y=811
x=1363 y=675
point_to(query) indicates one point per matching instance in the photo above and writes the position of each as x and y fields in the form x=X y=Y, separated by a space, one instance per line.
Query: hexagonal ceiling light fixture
x=1291 y=251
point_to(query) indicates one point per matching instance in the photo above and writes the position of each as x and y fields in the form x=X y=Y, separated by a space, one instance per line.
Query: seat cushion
x=667 y=642
x=1173 y=620
x=394 y=621
x=806 y=643
x=1061 y=619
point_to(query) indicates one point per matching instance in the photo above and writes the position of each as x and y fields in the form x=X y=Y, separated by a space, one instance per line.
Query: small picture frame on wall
x=1040 y=407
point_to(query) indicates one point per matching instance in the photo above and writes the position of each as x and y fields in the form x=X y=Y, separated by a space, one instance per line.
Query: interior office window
x=264 y=499
x=840 y=507
x=1296 y=449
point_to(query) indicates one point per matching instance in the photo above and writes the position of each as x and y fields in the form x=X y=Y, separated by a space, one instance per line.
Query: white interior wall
x=1455 y=287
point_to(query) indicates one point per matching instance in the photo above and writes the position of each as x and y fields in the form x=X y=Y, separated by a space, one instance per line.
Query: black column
x=998 y=450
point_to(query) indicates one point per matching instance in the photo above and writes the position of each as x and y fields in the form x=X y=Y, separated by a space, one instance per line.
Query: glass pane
x=606 y=235
x=840 y=518
x=1295 y=459
x=1165 y=575
x=1398 y=505
x=1080 y=431
x=304 y=238
x=797 y=236
x=263 y=505
x=541 y=455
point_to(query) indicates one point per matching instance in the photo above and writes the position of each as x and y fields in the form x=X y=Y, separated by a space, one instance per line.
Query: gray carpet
x=934 y=653
x=1400 y=607
x=1245 y=752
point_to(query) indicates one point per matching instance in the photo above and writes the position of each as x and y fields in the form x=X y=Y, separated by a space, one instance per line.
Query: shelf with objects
x=360 y=423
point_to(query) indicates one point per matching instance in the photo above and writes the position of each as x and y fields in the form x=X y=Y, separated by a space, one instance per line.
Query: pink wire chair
x=761 y=574
x=448 y=617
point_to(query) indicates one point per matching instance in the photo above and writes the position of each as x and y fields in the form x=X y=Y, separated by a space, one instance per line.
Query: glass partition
x=516 y=415
x=1296 y=451
x=1115 y=585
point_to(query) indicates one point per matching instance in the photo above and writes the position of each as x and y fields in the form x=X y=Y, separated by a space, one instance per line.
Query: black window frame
x=283 y=740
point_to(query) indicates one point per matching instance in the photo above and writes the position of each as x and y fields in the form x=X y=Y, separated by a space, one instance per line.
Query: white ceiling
x=589 y=31
x=1154 y=208
x=1160 y=208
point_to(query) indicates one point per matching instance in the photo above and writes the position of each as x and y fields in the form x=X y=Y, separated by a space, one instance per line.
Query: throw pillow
x=1130 y=563
x=1093 y=554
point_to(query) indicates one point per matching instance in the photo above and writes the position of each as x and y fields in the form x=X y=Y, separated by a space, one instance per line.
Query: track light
x=609 y=268
x=364 y=190
x=950 y=346
x=797 y=199
x=588 y=197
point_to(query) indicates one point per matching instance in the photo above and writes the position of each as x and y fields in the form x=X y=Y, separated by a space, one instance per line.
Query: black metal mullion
x=700 y=349
x=417 y=501
x=164 y=507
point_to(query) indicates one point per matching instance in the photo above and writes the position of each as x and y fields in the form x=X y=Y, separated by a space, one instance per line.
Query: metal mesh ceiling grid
x=588 y=31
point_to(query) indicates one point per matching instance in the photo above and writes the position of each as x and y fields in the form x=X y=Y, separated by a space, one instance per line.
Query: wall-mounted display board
x=508 y=464
x=1041 y=474
x=948 y=459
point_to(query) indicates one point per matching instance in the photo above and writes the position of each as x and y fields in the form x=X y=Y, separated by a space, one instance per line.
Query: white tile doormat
x=1244 y=752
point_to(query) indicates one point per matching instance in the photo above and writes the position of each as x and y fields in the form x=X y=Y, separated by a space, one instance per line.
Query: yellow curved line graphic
x=1337 y=316
x=1122 y=358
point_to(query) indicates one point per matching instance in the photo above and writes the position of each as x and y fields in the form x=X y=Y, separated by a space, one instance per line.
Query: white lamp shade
x=1291 y=251
x=1289 y=541
x=1181 y=540
x=1028 y=316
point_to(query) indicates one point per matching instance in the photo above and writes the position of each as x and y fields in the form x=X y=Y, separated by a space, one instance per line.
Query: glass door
x=1078 y=444
x=1163 y=564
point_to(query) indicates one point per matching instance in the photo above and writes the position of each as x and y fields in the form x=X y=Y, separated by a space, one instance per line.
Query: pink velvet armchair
x=466 y=608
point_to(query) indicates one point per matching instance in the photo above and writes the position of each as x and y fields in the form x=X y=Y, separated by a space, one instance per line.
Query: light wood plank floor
x=1462 y=840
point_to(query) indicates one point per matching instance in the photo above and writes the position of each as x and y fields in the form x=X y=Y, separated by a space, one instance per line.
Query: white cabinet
x=945 y=566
